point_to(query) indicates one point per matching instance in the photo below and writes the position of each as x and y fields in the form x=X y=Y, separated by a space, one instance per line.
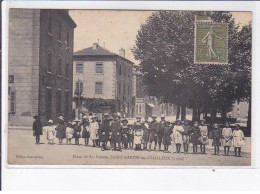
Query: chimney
x=122 y=52
x=95 y=46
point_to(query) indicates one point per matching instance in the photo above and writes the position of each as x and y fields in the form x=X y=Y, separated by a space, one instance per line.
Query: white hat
x=118 y=114
x=85 y=117
x=50 y=121
x=162 y=116
x=76 y=120
x=61 y=118
x=154 y=116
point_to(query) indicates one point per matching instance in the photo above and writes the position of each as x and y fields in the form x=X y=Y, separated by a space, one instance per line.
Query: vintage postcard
x=128 y=87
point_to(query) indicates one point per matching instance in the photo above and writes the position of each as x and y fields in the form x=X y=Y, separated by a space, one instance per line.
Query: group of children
x=144 y=135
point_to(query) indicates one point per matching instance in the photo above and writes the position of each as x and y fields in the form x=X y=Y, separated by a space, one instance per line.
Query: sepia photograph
x=129 y=87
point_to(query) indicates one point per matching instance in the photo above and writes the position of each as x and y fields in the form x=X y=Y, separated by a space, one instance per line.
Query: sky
x=115 y=29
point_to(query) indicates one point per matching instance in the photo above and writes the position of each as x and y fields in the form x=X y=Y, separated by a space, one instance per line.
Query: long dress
x=116 y=128
x=216 y=135
x=227 y=136
x=93 y=130
x=50 y=131
x=77 y=130
x=146 y=132
x=167 y=131
x=186 y=134
x=69 y=133
x=177 y=134
x=204 y=135
x=238 y=138
x=195 y=135
x=85 y=131
x=61 y=131
x=104 y=129
x=124 y=134
x=138 y=134
x=153 y=130
x=37 y=128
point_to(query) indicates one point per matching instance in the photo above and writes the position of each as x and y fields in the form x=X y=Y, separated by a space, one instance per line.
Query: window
x=50 y=22
x=59 y=31
x=12 y=102
x=67 y=70
x=48 y=102
x=58 y=101
x=98 y=87
x=99 y=68
x=79 y=88
x=49 y=61
x=68 y=39
x=66 y=104
x=119 y=88
x=79 y=68
x=11 y=79
x=59 y=66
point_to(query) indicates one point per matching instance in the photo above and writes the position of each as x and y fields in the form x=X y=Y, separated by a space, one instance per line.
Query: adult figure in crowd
x=227 y=135
x=153 y=134
x=166 y=140
x=204 y=136
x=146 y=131
x=177 y=135
x=195 y=135
x=238 y=140
x=61 y=129
x=77 y=131
x=111 y=119
x=159 y=131
x=124 y=133
x=37 y=128
x=104 y=132
x=116 y=136
x=99 y=131
x=186 y=136
x=216 y=136
x=130 y=136
x=50 y=132
x=85 y=129
x=93 y=130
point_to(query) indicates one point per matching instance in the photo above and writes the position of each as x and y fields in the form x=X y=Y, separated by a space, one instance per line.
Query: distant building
x=99 y=73
x=240 y=110
x=40 y=65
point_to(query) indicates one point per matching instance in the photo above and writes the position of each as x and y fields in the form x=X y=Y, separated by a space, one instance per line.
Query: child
x=177 y=135
x=138 y=133
x=69 y=133
x=124 y=134
x=130 y=136
x=93 y=130
x=167 y=131
x=85 y=129
x=238 y=140
x=50 y=132
x=227 y=138
x=204 y=137
x=216 y=135
x=145 y=126
x=186 y=136
x=61 y=129
x=195 y=135
x=77 y=131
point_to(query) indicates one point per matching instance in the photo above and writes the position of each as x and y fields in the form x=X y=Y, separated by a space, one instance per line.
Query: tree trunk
x=178 y=112
x=223 y=114
x=199 y=112
x=194 y=114
x=249 y=118
x=183 y=112
x=213 y=115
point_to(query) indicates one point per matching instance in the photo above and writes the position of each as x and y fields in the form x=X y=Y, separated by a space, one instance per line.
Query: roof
x=99 y=51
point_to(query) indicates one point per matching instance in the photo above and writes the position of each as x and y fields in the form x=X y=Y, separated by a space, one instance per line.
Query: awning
x=151 y=105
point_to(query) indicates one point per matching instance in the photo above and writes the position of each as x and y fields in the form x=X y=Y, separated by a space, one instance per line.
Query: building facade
x=99 y=73
x=40 y=65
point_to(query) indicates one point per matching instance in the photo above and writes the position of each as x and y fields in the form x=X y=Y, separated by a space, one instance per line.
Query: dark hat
x=124 y=120
x=36 y=116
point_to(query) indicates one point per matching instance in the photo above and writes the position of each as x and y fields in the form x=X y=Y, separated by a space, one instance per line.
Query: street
x=23 y=150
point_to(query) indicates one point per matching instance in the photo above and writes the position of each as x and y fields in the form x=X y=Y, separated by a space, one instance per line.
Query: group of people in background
x=142 y=135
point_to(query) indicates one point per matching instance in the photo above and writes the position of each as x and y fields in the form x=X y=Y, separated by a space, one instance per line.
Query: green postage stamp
x=211 y=42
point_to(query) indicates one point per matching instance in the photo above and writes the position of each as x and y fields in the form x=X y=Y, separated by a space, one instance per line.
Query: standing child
x=186 y=136
x=124 y=134
x=130 y=136
x=177 y=135
x=93 y=130
x=50 y=132
x=77 y=131
x=116 y=133
x=238 y=140
x=227 y=138
x=69 y=133
x=195 y=135
x=145 y=126
x=138 y=134
x=61 y=129
x=216 y=135
x=85 y=129
x=37 y=128
x=203 y=137
x=167 y=131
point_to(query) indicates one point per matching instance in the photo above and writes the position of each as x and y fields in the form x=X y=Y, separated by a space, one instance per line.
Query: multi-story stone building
x=40 y=65
x=99 y=73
